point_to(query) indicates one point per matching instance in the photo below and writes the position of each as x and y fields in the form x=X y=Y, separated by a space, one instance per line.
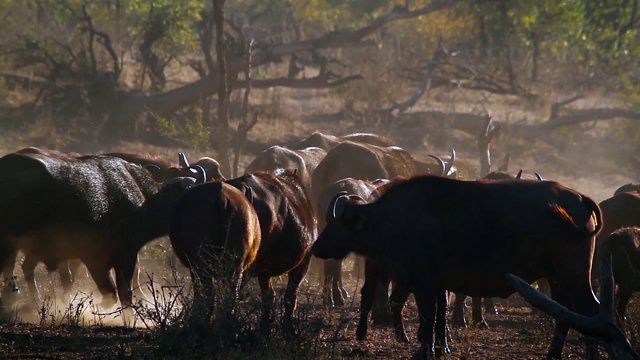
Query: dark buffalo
x=328 y=142
x=303 y=161
x=631 y=187
x=457 y=318
x=161 y=170
x=288 y=229
x=624 y=245
x=505 y=175
x=622 y=210
x=366 y=162
x=98 y=209
x=216 y=234
x=418 y=228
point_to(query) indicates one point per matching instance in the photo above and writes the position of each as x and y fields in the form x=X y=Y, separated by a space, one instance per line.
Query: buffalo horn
x=202 y=174
x=539 y=177
x=248 y=193
x=440 y=161
x=330 y=214
x=451 y=161
x=151 y=166
x=182 y=159
x=519 y=175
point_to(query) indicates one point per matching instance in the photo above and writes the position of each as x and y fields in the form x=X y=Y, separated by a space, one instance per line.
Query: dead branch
x=322 y=81
x=439 y=56
x=556 y=106
x=483 y=140
x=223 y=87
x=346 y=38
x=237 y=140
x=601 y=327
x=473 y=124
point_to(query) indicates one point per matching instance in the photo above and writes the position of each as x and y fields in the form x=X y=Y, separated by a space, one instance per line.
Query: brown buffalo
x=435 y=234
x=624 y=245
x=619 y=211
x=303 y=161
x=216 y=234
x=328 y=142
x=288 y=229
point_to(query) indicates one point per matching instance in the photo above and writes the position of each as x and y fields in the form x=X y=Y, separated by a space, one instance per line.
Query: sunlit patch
x=559 y=210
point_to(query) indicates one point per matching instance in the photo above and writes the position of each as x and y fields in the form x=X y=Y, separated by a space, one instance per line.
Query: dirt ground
x=516 y=332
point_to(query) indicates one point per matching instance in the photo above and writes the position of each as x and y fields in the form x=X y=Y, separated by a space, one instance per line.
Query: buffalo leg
x=124 y=276
x=457 y=319
x=290 y=295
x=381 y=312
x=372 y=275
x=442 y=310
x=203 y=295
x=585 y=303
x=100 y=275
x=476 y=313
x=268 y=299
x=426 y=301
x=332 y=276
x=622 y=299
x=28 y=269
x=399 y=296
x=8 y=255
x=65 y=270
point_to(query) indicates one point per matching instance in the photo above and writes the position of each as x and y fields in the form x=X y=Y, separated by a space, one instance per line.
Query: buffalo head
x=346 y=216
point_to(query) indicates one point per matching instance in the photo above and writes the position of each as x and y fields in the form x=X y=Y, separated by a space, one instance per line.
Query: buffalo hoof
x=361 y=333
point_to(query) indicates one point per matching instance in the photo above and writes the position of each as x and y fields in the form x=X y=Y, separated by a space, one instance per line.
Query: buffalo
x=622 y=210
x=435 y=234
x=304 y=161
x=631 y=187
x=328 y=142
x=287 y=228
x=98 y=209
x=159 y=168
x=624 y=245
x=215 y=232
x=333 y=291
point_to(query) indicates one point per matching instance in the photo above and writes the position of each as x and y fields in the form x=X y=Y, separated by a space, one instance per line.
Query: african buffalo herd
x=427 y=226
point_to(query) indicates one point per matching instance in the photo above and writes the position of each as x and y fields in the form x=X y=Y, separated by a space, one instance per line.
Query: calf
x=422 y=228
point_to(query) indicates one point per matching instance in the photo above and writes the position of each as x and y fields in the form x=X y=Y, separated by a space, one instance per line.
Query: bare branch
x=556 y=106
x=601 y=327
x=438 y=57
x=317 y=82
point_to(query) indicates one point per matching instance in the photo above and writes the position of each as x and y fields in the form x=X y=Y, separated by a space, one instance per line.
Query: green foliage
x=175 y=18
x=194 y=133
